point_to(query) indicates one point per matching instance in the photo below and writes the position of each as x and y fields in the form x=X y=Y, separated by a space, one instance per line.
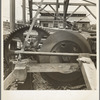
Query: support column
x=57 y=6
x=66 y=3
x=24 y=11
x=30 y=10
x=12 y=15
x=56 y=14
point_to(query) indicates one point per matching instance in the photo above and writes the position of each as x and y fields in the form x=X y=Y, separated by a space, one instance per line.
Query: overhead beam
x=60 y=3
x=73 y=12
x=52 y=8
x=90 y=12
x=12 y=15
x=90 y=2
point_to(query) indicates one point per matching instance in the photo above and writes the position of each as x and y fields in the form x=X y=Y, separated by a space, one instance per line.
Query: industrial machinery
x=35 y=43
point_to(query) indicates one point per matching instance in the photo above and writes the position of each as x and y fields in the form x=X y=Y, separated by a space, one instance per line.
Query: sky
x=18 y=7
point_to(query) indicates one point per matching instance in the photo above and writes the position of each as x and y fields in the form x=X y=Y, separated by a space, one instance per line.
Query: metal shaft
x=53 y=53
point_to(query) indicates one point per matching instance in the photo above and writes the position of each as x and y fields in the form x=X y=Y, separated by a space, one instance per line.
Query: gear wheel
x=16 y=39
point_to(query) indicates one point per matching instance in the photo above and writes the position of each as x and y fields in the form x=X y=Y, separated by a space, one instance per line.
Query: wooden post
x=89 y=72
x=30 y=10
x=66 y=3
x=24 y=11
x=57 y=6
x=12 y=15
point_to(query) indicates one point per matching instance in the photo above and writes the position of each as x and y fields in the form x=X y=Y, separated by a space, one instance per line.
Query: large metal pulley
x=65 y=42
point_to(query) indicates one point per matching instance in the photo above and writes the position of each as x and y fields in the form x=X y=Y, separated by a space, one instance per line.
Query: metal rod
x=60 y=3
x=90 y=12
x=12 y=15
x=73 y=12
x=24 y=11
x=52 y=53
x=90 y=2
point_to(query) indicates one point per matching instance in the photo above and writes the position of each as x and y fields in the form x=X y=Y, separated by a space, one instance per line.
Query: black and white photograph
x=50 y=45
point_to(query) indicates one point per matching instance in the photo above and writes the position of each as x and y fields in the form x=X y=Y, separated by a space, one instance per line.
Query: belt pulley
x=65 y=42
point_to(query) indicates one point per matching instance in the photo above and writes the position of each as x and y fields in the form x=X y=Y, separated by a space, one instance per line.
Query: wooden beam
x=90 y=12
x=90 y=2
x=55 y=67
x=73 y=12
x=19 y=74
x=89 y=72
x=12 y=15
x=52 y=8
x=71 y=4
x=57 y=6
x=10 y=78
x=24 y=11
x=44 y=7
x=30 y=10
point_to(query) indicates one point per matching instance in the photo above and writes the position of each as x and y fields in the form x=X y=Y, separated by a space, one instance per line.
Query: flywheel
x=65 y=42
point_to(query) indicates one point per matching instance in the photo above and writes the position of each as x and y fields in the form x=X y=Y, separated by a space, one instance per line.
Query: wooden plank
x=19 y=74
x=59 y=67
x=89 y=72
x=10 y=78
x=61 y=3
x=51 y=53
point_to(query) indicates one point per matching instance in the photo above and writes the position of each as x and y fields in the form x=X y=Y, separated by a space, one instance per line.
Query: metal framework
x=57 y=4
